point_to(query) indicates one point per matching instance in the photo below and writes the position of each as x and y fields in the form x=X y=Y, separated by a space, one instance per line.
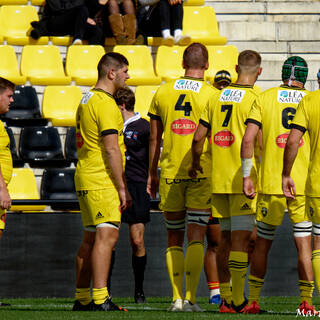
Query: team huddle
x=221 y=154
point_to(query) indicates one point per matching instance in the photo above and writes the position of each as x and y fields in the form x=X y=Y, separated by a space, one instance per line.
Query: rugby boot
x=108 y=305
x=78 y=306
x=252 y=308
x=215 y=299
x=307 y=310
x=224 y=307
x=240 y=308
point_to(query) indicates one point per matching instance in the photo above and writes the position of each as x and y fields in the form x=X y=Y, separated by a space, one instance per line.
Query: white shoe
x=176 y=306
x=182 y=40
x=191 y=307
x=77 y=42
x=168 y=41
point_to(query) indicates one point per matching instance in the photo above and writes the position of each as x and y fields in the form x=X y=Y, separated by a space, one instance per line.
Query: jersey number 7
x=228 y=108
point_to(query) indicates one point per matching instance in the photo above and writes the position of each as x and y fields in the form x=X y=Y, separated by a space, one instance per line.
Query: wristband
x=246 y=165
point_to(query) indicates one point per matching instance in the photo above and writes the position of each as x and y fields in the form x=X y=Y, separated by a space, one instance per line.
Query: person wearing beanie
x=222 y=79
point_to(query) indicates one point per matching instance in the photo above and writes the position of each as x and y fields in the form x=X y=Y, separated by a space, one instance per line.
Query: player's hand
x=5 y=200
x=288 y=187
x=193 y=170
x=248 y=188
x=91 y=21
x=152 y=185
x=125 y=199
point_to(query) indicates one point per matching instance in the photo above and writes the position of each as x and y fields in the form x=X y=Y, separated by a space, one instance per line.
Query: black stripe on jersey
x=192 y=78
x=154 y=117
x=109 y=131
x=296 y=126
x=240 y=85
x=205 y=124
x=254 y=122
x=101 y=90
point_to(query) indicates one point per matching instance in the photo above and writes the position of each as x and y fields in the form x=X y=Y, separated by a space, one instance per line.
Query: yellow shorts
x=99 y=206
x=179 y=194
x=313 y=209
x=230 y=205
x=3 y=216
x=271 y=209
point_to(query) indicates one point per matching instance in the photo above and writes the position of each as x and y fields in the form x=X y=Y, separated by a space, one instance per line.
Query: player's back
x=179 y=104
x=277 y=107
x=226 y=115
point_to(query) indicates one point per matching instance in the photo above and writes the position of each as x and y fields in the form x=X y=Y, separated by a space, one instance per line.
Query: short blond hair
x=249 y=61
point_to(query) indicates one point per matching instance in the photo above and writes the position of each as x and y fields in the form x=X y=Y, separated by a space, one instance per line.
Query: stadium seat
x=15 y=25
x=144 y=95
x=82 y=62
x=222 y=58
x=140 y=65
x=42 y=65
x=13 y=2
x=37 y=2
x=201 y=25
x=168 y=62
x=70 y=148
x=60 y=103
x=23 y=186
x=58 y=184
x=193 y=3
x=41 y=147
x=61 y=40
x=9 y=68
x=17 y=162
x=25 y=109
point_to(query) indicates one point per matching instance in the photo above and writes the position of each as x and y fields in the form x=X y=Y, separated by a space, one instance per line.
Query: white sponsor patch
x=86 y=97
x=186 y=84
x=290 y=96
x=232 y=95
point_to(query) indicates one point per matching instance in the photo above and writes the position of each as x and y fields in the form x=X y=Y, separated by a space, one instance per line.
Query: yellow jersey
x=5 y=155
x=307 y=118
x=225 y=115
x=178 y=105
x=97 y=115
x=273 y=112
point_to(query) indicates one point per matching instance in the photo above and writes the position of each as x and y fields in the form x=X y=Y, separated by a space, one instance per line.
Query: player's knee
x=137 y=244
x=302 y=229
x=200 y=218
x=175 y=225
x=316 y=230
x=266 y=231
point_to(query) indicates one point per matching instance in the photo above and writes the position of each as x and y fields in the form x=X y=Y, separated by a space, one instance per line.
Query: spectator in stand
x=71 y=17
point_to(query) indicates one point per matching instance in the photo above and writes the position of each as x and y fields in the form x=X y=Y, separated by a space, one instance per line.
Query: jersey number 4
x=186 y=107
x=228 y=108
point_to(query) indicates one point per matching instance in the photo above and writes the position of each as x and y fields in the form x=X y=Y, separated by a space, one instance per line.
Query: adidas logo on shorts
x=245 y=207
x=99 y=215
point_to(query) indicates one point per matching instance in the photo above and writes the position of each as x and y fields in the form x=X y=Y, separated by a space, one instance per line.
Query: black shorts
x=140 y=210
x=213 y=220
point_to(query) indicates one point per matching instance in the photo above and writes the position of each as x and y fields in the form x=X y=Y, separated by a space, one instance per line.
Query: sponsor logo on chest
x=232 y=95
x=281 y=140
x=290 y=96
x=183 y=126
x=224 y=138
x=186 y=84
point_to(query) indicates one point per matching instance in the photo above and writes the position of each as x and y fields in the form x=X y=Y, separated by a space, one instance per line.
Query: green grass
x=60 y=308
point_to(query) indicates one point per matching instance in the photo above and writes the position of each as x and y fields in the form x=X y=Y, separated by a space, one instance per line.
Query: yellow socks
x=306 y=291
x=83 y=295
x=99 y=296
x=238 y=263
x=255 y=286
x=316 y=267
x=193 y=268
x=225 y=291
x=175 y=265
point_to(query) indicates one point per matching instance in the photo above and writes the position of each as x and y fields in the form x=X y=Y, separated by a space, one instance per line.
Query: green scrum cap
x=295 y=68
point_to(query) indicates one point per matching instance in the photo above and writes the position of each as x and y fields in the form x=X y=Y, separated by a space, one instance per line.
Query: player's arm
x=156 y=130
x=5 y=200
x=247 y=147
x=197 y=147
x=114 y=157
x=290 y=153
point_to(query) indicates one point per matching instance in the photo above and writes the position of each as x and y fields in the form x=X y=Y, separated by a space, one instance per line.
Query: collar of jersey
x=130 y=120
x=101 y=90
x=240 y=85
x=293 y=88
x=191 y=78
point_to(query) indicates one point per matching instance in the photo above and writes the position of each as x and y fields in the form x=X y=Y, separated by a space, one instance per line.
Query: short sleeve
x=254 y=115
x=300 y=120
x=205 y=117
x=153 y=112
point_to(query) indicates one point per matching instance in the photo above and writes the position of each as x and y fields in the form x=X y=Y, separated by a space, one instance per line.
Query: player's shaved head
x=111 y=60
x=195 y=56
x=249 y=62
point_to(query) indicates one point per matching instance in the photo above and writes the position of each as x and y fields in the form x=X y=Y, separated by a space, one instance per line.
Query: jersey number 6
x=287 y=115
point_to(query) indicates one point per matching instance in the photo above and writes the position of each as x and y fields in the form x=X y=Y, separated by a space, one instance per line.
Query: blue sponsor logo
x=284 y=94
x=227 y=92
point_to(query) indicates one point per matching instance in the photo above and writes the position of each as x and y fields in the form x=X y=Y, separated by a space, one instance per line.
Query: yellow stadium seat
x=201 y=25
x=144 y=95
x=61 y=40
x=37 y=2
x=222 y=58
x=42 y=65
x=82 y=62
x=15 y=25
x=13 y=2
x=59 y=104
x=193 y=2
x=168 y=62
x=23 y=186
x=140 y=65
x=9 y=65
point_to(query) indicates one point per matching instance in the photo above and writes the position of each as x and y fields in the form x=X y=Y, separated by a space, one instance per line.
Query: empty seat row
x=55 y=184
x=199 y=22
x=42 y=65
x=41 y=147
